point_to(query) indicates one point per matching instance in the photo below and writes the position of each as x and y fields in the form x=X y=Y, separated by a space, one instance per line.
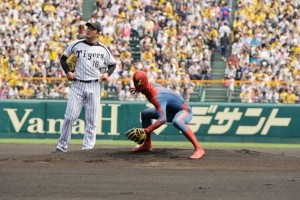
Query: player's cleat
x=144 y=147
x=57 y=150
x=197 y=154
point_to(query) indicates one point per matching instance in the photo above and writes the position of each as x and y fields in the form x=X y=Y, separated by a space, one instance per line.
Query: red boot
x=146 y=146
x=198 y=153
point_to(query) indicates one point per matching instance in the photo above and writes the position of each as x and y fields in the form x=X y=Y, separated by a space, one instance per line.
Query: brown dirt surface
x=31 y=172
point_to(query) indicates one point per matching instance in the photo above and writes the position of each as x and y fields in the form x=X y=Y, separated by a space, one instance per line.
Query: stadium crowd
x=266 y=51
x=33 y=35
x=177 y=41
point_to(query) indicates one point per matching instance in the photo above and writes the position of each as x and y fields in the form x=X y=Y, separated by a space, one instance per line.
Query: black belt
x=90 y=81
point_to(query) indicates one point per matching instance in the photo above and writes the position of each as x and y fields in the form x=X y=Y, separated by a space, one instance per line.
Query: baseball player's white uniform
x=92 y=61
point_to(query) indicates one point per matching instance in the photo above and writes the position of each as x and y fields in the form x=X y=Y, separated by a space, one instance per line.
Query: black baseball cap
x=95 y=24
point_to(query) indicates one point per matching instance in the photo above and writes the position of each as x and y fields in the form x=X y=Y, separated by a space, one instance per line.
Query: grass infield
x=156 y=143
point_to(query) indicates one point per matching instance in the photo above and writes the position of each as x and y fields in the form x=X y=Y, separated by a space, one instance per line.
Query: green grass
x=155 y=143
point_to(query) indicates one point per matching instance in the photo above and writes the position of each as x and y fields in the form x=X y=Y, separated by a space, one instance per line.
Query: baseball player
x=95 y=63
x=168 y=107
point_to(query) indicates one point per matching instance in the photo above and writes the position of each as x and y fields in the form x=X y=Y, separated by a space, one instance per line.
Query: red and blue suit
x=168 y=107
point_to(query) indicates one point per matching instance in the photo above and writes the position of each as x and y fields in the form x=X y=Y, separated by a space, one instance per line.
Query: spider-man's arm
x=160 y=107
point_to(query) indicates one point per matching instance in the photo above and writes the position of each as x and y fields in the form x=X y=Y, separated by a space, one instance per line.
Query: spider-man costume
x=168 y=107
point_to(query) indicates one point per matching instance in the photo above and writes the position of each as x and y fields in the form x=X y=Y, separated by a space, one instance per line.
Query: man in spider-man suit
x=168 y=107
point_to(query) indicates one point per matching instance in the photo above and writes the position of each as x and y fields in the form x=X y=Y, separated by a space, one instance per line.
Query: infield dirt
x=106 y=172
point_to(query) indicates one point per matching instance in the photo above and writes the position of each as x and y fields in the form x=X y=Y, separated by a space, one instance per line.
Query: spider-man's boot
x=199 y=151
x=146 y=146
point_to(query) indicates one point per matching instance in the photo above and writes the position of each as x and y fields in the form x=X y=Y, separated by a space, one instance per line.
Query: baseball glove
x=137 y=135
x=71 y=62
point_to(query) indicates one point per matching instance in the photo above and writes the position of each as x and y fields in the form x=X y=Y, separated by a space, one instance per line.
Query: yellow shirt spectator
x=148 y=55
x=34 y=30
x=275 y=44
x=207 y=13
x=4 y=64
x=172 y=32
x=168 y=9
x=49 y=8
x=27 y=92
x=273 y=83
x=245 y=96
x=295 y=49
x=122 y=16
x=213 y=34
x=182 y=53
x=260 y=17
x=125 y=55
x=106 y=39
x=162 y=2
x=14 y=78
x=283 y=96
x=290 y=98
x=237 y=23
x=53 y=55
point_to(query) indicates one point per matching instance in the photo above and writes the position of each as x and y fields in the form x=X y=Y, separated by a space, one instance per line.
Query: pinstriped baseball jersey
x=92 y=59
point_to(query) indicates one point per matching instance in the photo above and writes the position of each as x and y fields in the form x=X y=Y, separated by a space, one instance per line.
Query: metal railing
x=200 y=86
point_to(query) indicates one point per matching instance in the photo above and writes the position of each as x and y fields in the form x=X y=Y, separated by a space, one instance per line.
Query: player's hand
x=70 y=76
x=104 y=77
x=133 y=91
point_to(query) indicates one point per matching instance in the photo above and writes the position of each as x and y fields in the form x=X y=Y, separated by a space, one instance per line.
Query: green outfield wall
x=218 y=122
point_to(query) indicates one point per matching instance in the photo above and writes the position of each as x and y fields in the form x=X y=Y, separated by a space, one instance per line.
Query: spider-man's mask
x=140 y=81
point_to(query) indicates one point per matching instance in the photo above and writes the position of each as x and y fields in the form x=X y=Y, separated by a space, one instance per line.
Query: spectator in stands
x=4 y=91
x=148 y=25
x=237 y=46
x=162 y=39
x=151 y=74
x=225 y=12
x=125 y=57
x=206 y=72
x=145 y=42
x=160 y=76
x=263 y=97
x=291 y=97
x=230 y=70
x=182 y=53
x=238 y=74
x=273 y=96
x=197 y=54
x=194 y=70
x=125 y=95
x=224 y=42
x=245 y=96
x=255 y=41
x=217 y=10
x=224 y=28
x=246 y=40
x=231 y=84
x=212 y=37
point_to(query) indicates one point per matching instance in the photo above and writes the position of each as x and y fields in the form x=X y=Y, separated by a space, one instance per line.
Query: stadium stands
x=162 y=38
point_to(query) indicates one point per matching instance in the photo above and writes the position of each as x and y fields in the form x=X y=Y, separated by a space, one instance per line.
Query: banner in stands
x=211 y=122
